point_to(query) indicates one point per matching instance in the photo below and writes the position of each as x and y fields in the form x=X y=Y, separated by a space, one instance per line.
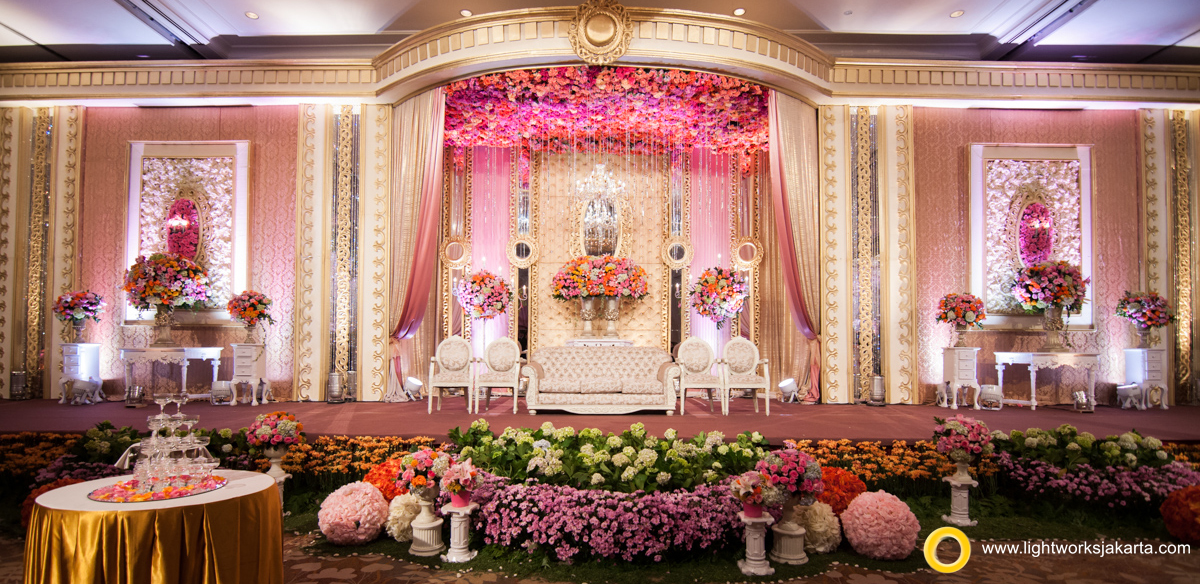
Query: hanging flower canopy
x=608 y=109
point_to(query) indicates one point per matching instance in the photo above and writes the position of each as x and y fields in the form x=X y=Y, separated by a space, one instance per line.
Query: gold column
x=9 y=172
x=35 y=280
x=866 y=300
x=345 y=224
x=1184 y=285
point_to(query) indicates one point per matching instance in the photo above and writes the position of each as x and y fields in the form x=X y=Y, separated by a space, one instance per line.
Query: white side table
x=1089 y=362
x=250 y=367
x=81 y=362
x=1148 y=369
x=178 y=355
x=959 y=369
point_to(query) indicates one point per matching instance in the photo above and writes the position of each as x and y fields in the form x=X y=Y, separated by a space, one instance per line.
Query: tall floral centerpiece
x=75 y=308
x=1051 y=287
x=165 y=282
x=719 y=294
x=483 y=295
x=250 y=308
x=274 y=433
x=574 y=280
x=962 y=311
x=962 y=439
x=1147 y=311
x=619 y=278
x=419 y=475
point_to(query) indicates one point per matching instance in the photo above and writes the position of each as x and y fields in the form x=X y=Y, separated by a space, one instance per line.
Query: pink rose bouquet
x=1050 y=284
x=459 y=476
x=793 y=471
x=962 y=438
x=274 y=429
x=353 y=515
x=483 y=295
x=421 y=470
x=250 y=307
x=961 y=309
x=573 y=280
x=1146 y=310
x=719 y=294
x=183 y=229
x=880 y=526
x=620 y=277
x=79 y=306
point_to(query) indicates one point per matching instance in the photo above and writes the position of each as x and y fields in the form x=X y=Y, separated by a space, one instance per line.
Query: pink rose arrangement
x=795 y=472
x=165 y=279
x=750 y=487
x=719 y=294
x=183 y=229
x=961 y=309
x=274 y=429
x=962 y=438
x=128 y=491
x=1047 y=284
x=1036 y=234
x=483 y=295
x=421 y=470
x=607 y=109
x=880 y=526
x=459 y=476
x=353 y=514
x=250 y=307
x=79 y=306
x=1146 y=310
x=600 y=276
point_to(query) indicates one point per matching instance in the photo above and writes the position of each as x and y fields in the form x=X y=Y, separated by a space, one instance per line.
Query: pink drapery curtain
x=491 y=184
x=710 y=187
x=792 y=141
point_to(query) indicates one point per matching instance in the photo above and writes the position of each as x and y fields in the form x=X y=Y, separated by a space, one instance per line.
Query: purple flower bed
x=68 y=466
x=569 y=523
x=1116 y=486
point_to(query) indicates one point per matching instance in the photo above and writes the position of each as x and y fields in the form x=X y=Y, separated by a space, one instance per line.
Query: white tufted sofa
x=600 y=380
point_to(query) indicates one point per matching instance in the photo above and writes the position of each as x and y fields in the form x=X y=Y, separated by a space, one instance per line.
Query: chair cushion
x=696 y=379
x=642 y=387
x=558 y=386
x=462 y=376
x=747 y=380
x=502 y=377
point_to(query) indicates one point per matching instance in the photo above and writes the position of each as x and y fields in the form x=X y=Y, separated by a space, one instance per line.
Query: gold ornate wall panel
x=641 y=321
x=375 y=127
x=864 y=213
x=1156 y=204
x=836 y=332
x=1183 y=248
x=63 y=232
x=898 y=288
x=36 y=262
x=345 y=225
x=313 y=206
x=12 y=178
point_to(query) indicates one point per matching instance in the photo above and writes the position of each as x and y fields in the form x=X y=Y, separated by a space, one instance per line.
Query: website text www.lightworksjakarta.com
x=1099 y=548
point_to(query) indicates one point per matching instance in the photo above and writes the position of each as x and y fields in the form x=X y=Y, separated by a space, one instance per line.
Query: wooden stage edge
x=795 y=421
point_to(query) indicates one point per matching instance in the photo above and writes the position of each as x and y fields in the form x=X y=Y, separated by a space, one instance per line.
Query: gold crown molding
x=373 y=254
x=343 y=250
x=830 y=321
x=1184 y=284
x=8 y=122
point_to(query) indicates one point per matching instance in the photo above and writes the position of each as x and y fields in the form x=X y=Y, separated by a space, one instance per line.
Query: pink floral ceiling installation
x=609 y=109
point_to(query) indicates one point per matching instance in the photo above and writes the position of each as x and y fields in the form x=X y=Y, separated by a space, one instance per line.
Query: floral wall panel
x=941 y=141
x=272 y=133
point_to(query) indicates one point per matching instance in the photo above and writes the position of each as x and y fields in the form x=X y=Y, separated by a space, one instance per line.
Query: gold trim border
x=1184 y=284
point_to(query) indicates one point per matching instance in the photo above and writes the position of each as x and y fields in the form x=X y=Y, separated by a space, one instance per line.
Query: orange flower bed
x=383 y=476
x=873 y=462
x=841 y=487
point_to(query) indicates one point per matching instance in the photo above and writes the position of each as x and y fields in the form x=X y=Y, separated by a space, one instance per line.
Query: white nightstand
x=958 y=370
x=80 y=361
x=250 y=366
x=1148 y=369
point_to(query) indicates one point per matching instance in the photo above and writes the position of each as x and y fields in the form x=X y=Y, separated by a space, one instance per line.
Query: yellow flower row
x=872 y=461
x=26 y=453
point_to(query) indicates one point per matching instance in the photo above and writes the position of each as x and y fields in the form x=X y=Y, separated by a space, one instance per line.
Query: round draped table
x=230 y=535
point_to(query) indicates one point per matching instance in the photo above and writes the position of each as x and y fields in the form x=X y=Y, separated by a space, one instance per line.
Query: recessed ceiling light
x=848 y=12
x=1080 y=57
x=739 y=11
x=143 y=56
x=251 y=15
x=465 y=12
x=957 y=13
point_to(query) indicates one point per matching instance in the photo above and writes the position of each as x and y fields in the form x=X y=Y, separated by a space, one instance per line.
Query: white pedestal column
x=960 y=484
x=789 y=538
x=755 y=563
x=427 y=532
x=460 y=533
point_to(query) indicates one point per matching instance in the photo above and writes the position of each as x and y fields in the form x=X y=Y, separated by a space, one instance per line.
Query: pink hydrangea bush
x=880 y=526
x=353 y=514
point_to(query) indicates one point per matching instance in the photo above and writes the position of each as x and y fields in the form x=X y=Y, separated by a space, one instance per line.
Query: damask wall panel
x=272 y=133
x=941 y=139
x=641 y=320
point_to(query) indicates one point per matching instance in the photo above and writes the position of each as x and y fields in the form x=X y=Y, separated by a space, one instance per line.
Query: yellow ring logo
x=935 y=538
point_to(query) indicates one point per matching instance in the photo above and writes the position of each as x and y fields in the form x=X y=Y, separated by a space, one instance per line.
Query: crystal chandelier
x=601 y=197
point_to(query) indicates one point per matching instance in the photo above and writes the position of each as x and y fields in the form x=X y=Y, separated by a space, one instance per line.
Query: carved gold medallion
x=601 y=31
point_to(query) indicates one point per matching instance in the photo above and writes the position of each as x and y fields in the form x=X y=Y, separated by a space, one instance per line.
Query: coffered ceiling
x=1097 y=31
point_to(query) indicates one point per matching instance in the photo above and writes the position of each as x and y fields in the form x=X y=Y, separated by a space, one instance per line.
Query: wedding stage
x=408 y=419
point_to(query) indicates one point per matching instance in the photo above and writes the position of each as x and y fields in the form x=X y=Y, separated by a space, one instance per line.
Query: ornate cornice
x=541 y=37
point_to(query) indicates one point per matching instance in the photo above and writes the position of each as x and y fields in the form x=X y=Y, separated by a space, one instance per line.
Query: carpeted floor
x=301 y=568
x=857 y=422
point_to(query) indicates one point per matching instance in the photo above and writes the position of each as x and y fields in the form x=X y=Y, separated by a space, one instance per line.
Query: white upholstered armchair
x=451 y=367
x=695 y=359
x=502 y=357
x=740 y=371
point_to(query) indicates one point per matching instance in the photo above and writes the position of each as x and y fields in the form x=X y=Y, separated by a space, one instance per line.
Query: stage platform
x=855 y=422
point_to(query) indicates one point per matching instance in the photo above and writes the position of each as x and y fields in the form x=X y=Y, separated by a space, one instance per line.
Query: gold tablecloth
x=217 y=538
